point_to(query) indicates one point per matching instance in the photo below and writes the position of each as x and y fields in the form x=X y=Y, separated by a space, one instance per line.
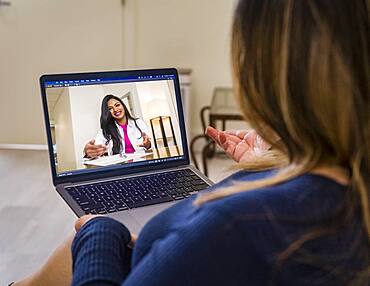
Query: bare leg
x=57 y=270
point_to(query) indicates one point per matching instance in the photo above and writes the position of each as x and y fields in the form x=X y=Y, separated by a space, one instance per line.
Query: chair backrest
x=223 y=101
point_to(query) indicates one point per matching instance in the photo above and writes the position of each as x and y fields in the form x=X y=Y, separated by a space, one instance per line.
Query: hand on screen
x=240 y=145
x=92 y=151
x=146 y=142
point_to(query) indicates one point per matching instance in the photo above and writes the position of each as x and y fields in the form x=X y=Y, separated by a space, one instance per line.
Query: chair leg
x=204 y=160
x=192 y=153
x=209 y=148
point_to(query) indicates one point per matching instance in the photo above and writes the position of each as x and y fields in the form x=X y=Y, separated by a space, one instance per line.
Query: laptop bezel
x=106 y=173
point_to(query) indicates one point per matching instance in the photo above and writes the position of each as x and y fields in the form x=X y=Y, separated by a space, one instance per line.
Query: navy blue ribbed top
x=235 y=240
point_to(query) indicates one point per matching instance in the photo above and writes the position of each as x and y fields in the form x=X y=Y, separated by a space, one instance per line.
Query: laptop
x=146 y=169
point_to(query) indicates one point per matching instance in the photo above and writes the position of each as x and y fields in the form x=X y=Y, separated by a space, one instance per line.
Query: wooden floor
x=33 y=218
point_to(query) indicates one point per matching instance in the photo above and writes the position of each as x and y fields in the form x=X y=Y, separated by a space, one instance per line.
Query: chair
x=159 y=126
x=223 y=108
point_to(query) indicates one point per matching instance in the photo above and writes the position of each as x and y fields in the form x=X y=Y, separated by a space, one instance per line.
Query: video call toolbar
x=79 y=82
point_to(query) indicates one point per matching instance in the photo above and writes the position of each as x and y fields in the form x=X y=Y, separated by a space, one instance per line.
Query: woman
x=120 y=132
x=301 y=71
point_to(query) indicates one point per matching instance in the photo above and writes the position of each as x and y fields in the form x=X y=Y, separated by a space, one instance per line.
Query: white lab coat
x=133 y=133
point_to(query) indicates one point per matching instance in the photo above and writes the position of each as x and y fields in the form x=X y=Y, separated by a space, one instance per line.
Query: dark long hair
x=108 y=125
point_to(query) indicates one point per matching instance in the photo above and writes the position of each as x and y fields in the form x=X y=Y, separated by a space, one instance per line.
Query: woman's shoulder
x=267 y=213
x=248 y=228
x=307 y=195
x=304 y=197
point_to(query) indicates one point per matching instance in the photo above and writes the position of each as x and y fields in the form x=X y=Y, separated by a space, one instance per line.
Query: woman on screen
x=120 y=132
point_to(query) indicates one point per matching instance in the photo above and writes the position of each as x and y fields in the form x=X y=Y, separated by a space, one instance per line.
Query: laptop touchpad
x=128 y=220
x=143 y=215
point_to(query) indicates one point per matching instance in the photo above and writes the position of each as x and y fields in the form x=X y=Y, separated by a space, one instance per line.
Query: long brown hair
x=302 y=72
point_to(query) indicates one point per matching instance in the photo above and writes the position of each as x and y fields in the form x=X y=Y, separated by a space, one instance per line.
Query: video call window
x=132 y=121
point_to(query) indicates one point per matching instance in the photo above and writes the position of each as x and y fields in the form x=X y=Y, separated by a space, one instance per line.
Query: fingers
x=212 y=133
x=97 y=148
x=238 y=144
x=145 y=138
x=222 y=139
x=146 y=141
x=237 y=133
x=232 y=138
x=229 y=148
x=235 y=142
x=233 y=135
x=237 y=151
x=215 y=135
x=250 y=138
x=256 y=142
x=93 y=151
x=82 y=220
x=95 y=154
x=133 y=240
x=240 y=150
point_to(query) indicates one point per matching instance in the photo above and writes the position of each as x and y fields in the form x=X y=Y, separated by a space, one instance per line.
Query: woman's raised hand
x=92 y=151
x=240 y=145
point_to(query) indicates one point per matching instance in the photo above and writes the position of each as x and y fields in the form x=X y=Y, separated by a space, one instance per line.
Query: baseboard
x=24 y=146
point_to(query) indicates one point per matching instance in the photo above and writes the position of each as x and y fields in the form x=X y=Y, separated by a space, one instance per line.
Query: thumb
x=82 y=220
x=92 y=141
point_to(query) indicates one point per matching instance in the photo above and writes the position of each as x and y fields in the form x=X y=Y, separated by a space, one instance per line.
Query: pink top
x=128 y=146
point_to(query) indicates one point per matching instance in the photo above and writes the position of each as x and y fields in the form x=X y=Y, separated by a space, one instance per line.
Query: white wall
x=191 y=34
x=39 y=37
x=157 y=98
x=64 y=135
x=85 y=114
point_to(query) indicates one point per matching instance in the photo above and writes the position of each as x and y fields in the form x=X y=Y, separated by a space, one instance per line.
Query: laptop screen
x=107 y=121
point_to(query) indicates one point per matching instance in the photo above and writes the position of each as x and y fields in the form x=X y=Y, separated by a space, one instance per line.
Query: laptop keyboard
x=124 y=194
